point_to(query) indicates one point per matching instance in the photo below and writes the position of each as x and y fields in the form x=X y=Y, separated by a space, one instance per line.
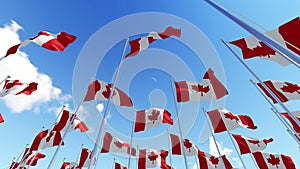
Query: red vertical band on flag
x=294 y=124
x=37 y=140
x=167 y=117
x=288 y=162
x=216 y=121
x=1 y=118
x=176 y=148
x=290 y=33
x=117 y=166
x=106 y=142
x=93 y=88
x=83 y=157
x=142 y=159
x=140 y=121
x=260 y=160
x=124 y=98
x=182 y=91
x=218 y=87
x=277 y=93
x=241 y=142
x=226 y=162
x=63 y=121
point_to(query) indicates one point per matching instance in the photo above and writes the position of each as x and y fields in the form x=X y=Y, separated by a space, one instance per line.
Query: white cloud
x=100 y=107
x=213 y=150
x=237 y=161
x=195 y=166
x=18 y=66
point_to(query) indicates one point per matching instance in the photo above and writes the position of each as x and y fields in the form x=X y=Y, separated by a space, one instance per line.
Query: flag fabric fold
x=15 y=87
x=151 y=118
x=273 y=161
x=85 y=158
x=209 y=89
x=150 y=158
x=292 y=121
x=120 y=166
x=249 y=145
x=69 y=165
x=189 y=147
x=65 y=120
x=1 y=118
x=208 y=161
x=46 y=138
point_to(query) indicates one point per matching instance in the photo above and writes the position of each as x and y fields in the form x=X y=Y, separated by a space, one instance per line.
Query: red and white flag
x=32 y=157
x=153 y=158
x=65 y=120
x=208 y=161
x=55 y=42
x=189 y=148
x=15 y=87
x=249 y=145
x=1 y=118
x=113 y=144
x=119 y=166
x=69 y=165
x=100 y=90
x=284 y=91
x=209 y=89
x=223 y=120
x=45 y=139
x=151 y=118
x=273 y=161
x=143 y=43
x=14 y=165
x=294 y=124
x=286 y=35
x=85 y=158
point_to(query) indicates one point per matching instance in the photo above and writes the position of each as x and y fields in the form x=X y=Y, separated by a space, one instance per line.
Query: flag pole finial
x=171 y=79
x=8 y=76
x=251 y=81
x=223 y=40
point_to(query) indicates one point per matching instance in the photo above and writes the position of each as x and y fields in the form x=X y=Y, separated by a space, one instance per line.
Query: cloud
x=238 y=162
x=18 y=66
x=100 y=107
x=213 y=150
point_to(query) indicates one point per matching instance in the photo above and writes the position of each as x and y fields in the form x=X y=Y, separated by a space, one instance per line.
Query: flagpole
x=197 y=161
x=131 y=138
x=137 y=161
x=169 y=145
x=114 y=163
x=275 y=110
x=213 y=136
x=229 y=134
x=286 y=53
x=12 y=162
x=263 y=84
x=79 y=153
x=7 y=77
x=95 y=149
x=20 y=155
x=179 y=126
x=252 y=158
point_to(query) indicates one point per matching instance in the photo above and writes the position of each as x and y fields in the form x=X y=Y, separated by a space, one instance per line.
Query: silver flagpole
x=250 y=154
x=96 y=147
x=286 y=53
x=179 y=126
x=131 y=139
x=229 y=134
x=7 y=77
x=263 y=84
x=213 y=136
x=169 y=145
x=197 y=161
x=114 y=163
x=20 y=156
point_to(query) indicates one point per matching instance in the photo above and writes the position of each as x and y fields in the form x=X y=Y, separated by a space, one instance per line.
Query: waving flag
x=143 y=43
x=209 y=89
x=287 y=35
x=32 y=158
x=65 y=120
x=119 y=166
x=100 y=90
x=189 y=148
x=1 y=118
x=85 y=158
x=249 y=145
x=15 y=87
x=112 y=144
x=273 y=161
x=151 y=118
x=55 y=42
x=153 y=158
x=294 y=124
x=69 y=165
x=284 y=91
x=208 y=161
x=45 y=139
x=223 y=120
x=14 y=165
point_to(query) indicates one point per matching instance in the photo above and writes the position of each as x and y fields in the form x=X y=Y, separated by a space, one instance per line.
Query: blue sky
x=149 y=85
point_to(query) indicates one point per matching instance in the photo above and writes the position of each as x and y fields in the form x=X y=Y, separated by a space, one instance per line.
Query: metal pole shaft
x=229 y=134
x=131 y=139
x=169 y=145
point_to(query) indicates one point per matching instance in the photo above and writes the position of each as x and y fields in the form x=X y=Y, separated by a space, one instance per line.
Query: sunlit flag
x=151 y=158
x=276 y=161
x=249 y=145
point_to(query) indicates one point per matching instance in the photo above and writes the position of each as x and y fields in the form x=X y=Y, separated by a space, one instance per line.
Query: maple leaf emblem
x=188 y=144
x=231 y=116
x=154 y=116
x=255 y=142
x=200 y=89
x=106 y=93
x=120 y=145
x=214 y=161
x=273 y=160
x=152 y=157
x=290 y=88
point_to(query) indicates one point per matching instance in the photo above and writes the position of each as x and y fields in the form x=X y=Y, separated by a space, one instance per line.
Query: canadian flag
x=249 y=145
x=294 y=124
x=14 y=165
x=32 y=157
x=45 y=139
x=56 y=42
x=112 y=144
x=151 y=158
x=284 y=91
x=65 y=120
x=119 y=166
x=1 y=118
x=286 y=35
x=209 y=89
x=208 y=161
x=69 y=165
x=189 y=148
x=273 y=161
x=143 y=43
x=223 y=120
x=85 y=158
x=15 y=87
x=151 y=118
x=100 y=90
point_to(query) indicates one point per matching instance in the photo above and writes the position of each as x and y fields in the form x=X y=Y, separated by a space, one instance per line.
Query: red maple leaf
x=273 y=160
x=188 y=144
x=254 y=142
x=231 y=116
x=199 y=88
x=152 y=157
x=154 y=116
x=214 y=161
x=120 y=145
x=291 y=88
x=106 y=93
